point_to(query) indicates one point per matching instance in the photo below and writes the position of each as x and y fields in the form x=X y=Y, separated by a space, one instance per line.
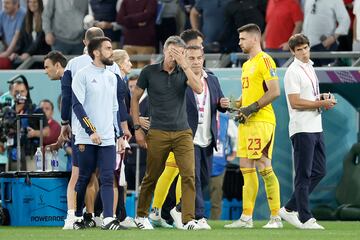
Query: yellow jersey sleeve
x=267 y=68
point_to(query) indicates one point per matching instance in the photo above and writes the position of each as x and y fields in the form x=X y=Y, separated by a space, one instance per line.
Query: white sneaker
x=155 y=216
x=156 y=219
x=275 y=222
x=290 y=217
x=164 y=224
x=69 y=223
x=203 y=224
x=241 y=223
x=191 y=225
x=143 y=223
x=312 y=224
x=177 y=218
x=128 y=223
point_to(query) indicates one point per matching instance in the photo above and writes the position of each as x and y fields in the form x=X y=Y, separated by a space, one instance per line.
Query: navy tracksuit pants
x=90 y=157
x=310 y=168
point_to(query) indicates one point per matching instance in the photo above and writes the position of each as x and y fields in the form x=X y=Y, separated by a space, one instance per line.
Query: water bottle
x=48 y=159
x=233 y=59
x=38 y=159
x=55 y=161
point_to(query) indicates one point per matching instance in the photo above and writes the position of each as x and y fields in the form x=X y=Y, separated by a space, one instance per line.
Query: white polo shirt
x=300 y=78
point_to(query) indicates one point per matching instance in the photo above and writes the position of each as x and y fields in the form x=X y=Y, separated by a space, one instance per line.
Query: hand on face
x=178 y=55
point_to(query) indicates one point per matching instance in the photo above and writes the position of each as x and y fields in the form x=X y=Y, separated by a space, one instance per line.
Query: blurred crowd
x=34 y=27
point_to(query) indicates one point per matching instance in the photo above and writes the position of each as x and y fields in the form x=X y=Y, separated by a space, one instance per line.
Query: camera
x=7 y=121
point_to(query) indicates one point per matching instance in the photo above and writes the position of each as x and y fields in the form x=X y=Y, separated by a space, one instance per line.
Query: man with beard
x=94 y=104
x=68 y=133
x=260 y=87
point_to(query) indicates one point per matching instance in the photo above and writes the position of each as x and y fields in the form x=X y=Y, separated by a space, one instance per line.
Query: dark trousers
x=320 y=48
x=159 y=145
x=90 y=157
x=74 y=155
x=310 y=168
x=166 y=29
x=130 y=175
x=120 y=207
x=203 y=163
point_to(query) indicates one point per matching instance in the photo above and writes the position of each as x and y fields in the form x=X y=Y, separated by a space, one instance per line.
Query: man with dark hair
x=192 y=37
x=95 y=106
x=54 y=127
x=166 y=84
x=73 y=66
x=305 y=129
x=54 y=64
x=260 y=87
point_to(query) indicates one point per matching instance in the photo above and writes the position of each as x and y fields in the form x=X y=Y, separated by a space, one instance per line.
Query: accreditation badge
x=201 y=113
x=220 y=150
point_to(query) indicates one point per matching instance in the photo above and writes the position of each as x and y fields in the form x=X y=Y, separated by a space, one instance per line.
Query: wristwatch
x=137 y=127
x=64 y=123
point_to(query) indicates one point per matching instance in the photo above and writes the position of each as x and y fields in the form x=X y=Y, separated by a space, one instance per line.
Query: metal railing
x=220 y=60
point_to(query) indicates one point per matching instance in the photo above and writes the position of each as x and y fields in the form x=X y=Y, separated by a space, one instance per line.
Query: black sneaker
x=79 y=225
x=89 y=220
x=113 y=225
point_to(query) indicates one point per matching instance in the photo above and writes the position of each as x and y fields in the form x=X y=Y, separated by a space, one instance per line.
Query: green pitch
x=334 y=230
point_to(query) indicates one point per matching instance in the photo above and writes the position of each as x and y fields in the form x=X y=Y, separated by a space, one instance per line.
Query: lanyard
x=218 y=124
x=201 y=108
x=316 y=91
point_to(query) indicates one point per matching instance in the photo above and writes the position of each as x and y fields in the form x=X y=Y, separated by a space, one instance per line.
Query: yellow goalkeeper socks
x=164 y=182
x=178 y=190
x=272 y=189
x=250 y=190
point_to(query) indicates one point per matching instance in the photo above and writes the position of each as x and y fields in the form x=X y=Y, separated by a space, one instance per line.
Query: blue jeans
x=68 y=48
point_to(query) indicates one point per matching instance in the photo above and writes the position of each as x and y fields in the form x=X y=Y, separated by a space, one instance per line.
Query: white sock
x=71 y=213
x=246 y=217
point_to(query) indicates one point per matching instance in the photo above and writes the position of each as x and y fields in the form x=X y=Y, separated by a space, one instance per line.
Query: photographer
x=29 y=127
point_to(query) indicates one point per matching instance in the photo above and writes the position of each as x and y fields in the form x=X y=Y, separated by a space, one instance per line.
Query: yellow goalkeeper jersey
x=255 y=72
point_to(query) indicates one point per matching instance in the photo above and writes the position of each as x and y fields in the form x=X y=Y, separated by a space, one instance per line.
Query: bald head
x=92 y=33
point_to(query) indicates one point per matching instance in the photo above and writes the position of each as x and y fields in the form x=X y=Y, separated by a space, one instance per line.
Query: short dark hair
x=93 y=32
x=297 y=40
x=95 y=44
x=49 y=102
x=191 y=34
x=133 y=77
x=193 y=47
x=56 y=56
x=251 y=27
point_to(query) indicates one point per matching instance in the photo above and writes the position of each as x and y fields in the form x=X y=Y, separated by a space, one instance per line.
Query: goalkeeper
x=260 y=87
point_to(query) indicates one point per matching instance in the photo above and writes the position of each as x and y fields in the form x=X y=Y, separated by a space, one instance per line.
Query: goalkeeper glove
x=245 y=112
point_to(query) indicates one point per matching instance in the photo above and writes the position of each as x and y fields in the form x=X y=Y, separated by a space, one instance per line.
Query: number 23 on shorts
x=254 y=144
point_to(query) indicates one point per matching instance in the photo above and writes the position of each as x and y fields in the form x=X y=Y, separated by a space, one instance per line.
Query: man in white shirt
x=305 y=129
x=324 y=22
